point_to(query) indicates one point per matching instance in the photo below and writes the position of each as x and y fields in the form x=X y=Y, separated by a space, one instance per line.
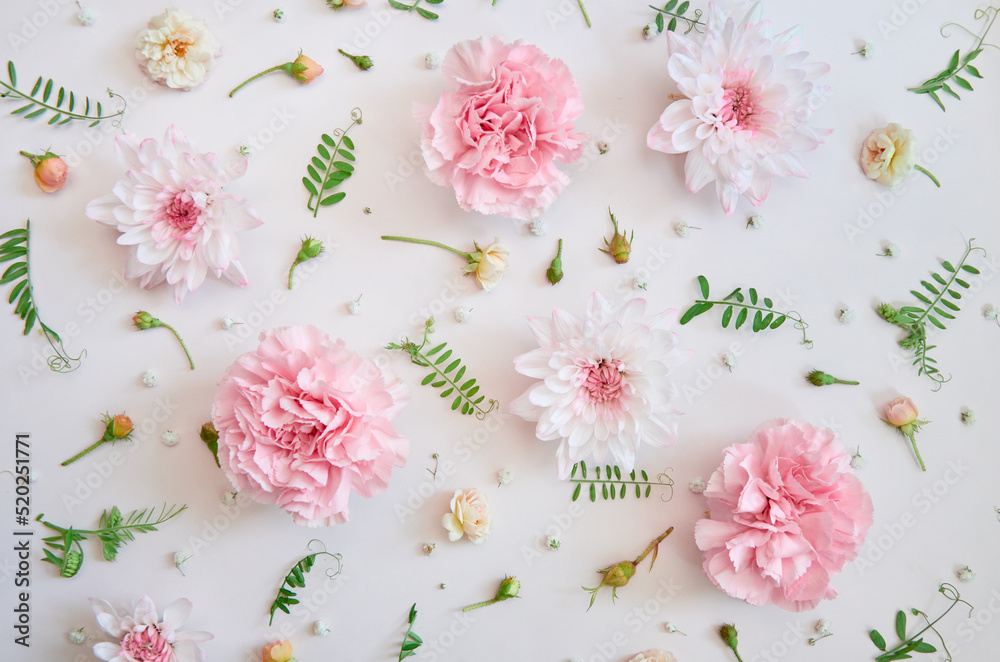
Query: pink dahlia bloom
x=303 y=421
x=173 y=215
x=498 y=136
x=749 y=96
x=787 y=514
x=604 y=381
x=144 y=637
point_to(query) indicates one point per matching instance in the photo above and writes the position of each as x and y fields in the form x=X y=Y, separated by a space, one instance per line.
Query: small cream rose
x=489 y=264
x=176 y=50
x=470 y=515
x=654 y=656
x=888 y=155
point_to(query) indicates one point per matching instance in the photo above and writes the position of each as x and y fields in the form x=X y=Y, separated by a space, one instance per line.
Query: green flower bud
x=618 y=575
x=143 y=320
x=555 y=272
x=363 y=62
x=887 y=312
x=819 y=378
x=619 y=247
x=508 y=588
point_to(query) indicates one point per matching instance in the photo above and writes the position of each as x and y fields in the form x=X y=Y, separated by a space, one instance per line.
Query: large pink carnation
x=787 y=514
x=498 y=136
x=302 y=421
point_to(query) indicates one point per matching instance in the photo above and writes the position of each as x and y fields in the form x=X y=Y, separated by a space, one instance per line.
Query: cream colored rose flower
x=470 y=515
x=654 y=656
x=489 y=264
x=888 y=155
x=176 y=49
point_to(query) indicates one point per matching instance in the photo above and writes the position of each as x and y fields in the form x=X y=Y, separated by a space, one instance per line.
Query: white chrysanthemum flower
x=176 y=49
x=604 y=381
x=173 y=215
x=749 y=94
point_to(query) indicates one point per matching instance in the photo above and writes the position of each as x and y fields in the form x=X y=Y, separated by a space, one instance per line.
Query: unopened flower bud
x=820 y=378
x=555 y=273
x=619 y=247
x=363 y=62
x=119 y=427
x=728 y=633
x=305 y=69
x=508 y=588
x=50 y=171
x=143 y=320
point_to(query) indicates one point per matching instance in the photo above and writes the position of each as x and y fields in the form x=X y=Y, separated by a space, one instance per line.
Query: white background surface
x=802 y=251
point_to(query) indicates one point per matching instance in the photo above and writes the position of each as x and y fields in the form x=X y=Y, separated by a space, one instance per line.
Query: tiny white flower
x=553 y=542
x=858 y=462
x=847 y=315
x=867 y=50
x=965 y=574
x=180 y=560
x=639 y=282
x=990 y=311
x=603 y=147
x=429 y=548
x=86 y=15
x=170 y=438
x=229 y=498
x=367 y=210
x=823 y=626
x=697 y=485
x=321 y=629
x=538 y=228
x=462 y=314
x=969 y=417
x=682 y=229
x=729 y=360
x=149 y=379
x=504 y=477
x=354 y=307
x=671 y=628
x=278 y=15
x=432 y=60
x=244 y=149
x=649 y=31
x=890 y=250
x=228 y=322
x=756 y=221
x=77 y=636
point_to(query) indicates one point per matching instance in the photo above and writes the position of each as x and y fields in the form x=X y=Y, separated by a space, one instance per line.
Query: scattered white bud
x=367 y=210
x=682 y=229
x=245 y=149
x=429 y=548
x=890 y=250
x=538 y=228
x=442 y=586
x=278 y=15
x=504 y=477
x=969 y=417
x=86 y=15
x=77 y=636
x=671 y=628
x=990 y=311
x=858 y=462
x=823 y=626
x=603 y=147
x=229 y=498
x=149 y=379
x=756 y=221
x=553 y=542
x=965 y=574
x=180 y=560
x=697 y=485
x=227 y=322
x=170 y=438
x=847 y=315
x=462 y=314
x=639 y=282
x=729 y=360
x=649 y=31
x=321 y=629
x=354 y=307
x=432 y=60
x=867 y=50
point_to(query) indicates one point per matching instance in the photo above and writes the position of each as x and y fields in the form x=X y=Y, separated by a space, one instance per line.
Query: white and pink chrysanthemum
x=144 y=637
x=749 y=96
x=173 y=214
x=604 y=381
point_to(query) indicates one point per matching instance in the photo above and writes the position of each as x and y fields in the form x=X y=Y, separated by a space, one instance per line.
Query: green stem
x=467 y=256
x=481 y=415
x=916 y=451
x=585 y=15
x=253 y=78
x=484 y=603
x=926 y=172
x=954 y=275
x=93 y=447
x=290 y=272
x=653 y=545
x=619 y=482
x=928 y=627
x=183 y=346
x=329 y=163
x=76 y=116
x=683 y=18
x=844 y=381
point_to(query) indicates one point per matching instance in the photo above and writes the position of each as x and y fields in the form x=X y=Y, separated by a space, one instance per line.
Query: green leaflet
x=915 y=643
x=15 y=248
x=614 y=486
x=426 y=13
x=765 y=316
x=63 y=112
x=411 y=642
x=676 y=11
x=296 y=578
x=327 y=171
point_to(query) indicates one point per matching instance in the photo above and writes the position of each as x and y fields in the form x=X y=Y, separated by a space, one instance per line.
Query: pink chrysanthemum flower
x=144 y=637
x=604 y=381
x=749 y=96
x=173 y=214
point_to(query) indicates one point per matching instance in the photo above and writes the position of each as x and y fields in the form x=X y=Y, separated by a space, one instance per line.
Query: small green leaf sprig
x=114 y=531
x=15 y=247
x=426 y=13
x=959 y=63
x=39 y=104
x=946 y=293
x=676 y=11
x=614 y=486
x=445 y=373
x=765 y=317
x=296 y=578
x=619 y=574
x=411 y=642
x=333 y=168
x=915 y=643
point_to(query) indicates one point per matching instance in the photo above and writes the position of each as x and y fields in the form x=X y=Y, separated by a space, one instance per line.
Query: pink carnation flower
x=498 y=136
x=303 y=421
x=173 y=215
x=787 y=514
x=143 y=637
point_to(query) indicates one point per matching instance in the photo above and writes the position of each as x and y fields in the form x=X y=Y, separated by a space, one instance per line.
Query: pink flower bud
x=900 y=412
x=311 y=71
x=50 y=171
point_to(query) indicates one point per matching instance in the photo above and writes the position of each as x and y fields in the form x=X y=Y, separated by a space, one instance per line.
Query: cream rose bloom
x=176 y=50
x=654 y=656
x=470 y=515
x=888 y=155
x=489 y=264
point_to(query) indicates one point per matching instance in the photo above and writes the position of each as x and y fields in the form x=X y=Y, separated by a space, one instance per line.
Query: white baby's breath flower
x=639 y=282
x=847 y=315
x=538 y=228
x=244 y=149
x=354 y=307
x=682 y=229
x=429 y=547
x=649 y=31
x=78 y=636
x=170 y=438
x=671 y=628
x=227 y=322
x=553 y=542
x=729 y=360
x=32 y=476
x=229 y=498
x=176 y=50
x=823 y=626
x=504 y=477
x=180 y=560
x=858 y=462
x=462 y=314
x=321 y=629
x=890 y=250
x=965 y=574
x=149 y=379
x=866 y=51
x=990 y=311
x=697 y=485
x=603 y=146
x=756 y=221
x=278 y=15
x=432 y=60
x=969 y=417
x=86 y=15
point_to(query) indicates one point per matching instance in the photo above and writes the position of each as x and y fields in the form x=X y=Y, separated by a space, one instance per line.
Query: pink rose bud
x=307 y=74
x=901 y=412
x=50 y=171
